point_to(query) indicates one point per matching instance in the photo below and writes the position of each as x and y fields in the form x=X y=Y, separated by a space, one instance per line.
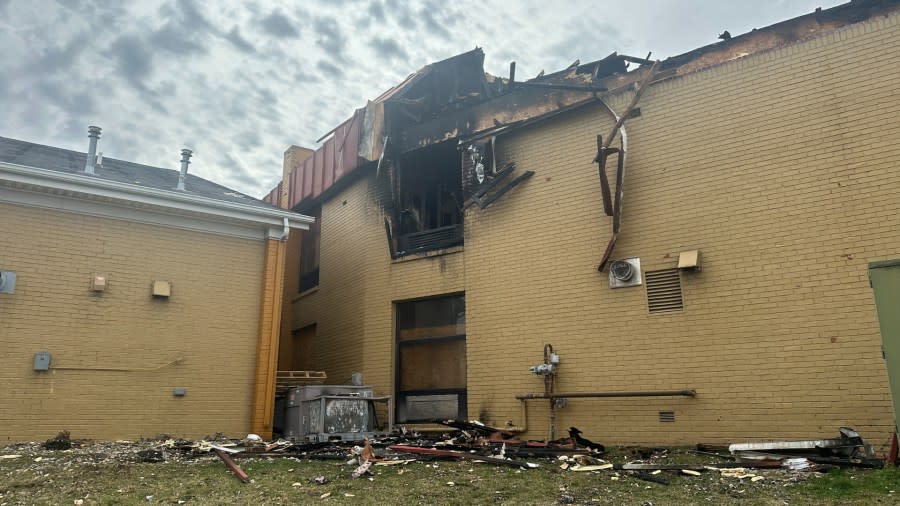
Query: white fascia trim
x=116 y=211
x=172 y=199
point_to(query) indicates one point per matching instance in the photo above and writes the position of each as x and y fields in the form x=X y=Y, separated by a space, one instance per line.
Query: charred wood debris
x=475 y=442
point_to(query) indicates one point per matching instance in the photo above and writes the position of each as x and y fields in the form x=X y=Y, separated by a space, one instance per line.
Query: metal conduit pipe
x=576 y=395
x=518 y=429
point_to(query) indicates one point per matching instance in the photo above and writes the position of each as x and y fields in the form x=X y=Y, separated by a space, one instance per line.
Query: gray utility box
x=332 y=412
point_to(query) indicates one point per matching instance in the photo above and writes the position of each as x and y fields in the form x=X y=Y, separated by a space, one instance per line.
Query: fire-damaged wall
x=352 y=306
x=779 y=167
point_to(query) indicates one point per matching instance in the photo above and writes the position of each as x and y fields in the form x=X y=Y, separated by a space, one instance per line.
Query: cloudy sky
x=240 y=81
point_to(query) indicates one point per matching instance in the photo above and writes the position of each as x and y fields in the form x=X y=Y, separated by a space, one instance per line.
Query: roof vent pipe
x=93 y=135
x=185 y=161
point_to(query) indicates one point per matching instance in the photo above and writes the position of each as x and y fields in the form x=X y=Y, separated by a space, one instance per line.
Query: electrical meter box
x=42 y=361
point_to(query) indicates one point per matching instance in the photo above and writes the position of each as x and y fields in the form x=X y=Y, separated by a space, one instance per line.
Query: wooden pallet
x=285 y=380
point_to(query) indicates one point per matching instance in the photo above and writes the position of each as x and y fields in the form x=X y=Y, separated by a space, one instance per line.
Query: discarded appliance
x=322 y=413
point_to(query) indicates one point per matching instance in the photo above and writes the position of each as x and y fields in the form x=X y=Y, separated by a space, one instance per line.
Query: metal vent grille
x=664 y=291
x=666 y=416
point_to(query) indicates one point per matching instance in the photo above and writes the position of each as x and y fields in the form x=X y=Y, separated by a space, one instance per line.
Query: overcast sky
x=238 y=82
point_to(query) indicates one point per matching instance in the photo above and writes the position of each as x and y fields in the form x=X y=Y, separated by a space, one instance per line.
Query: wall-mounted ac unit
x=7 y=281
x=625 y=272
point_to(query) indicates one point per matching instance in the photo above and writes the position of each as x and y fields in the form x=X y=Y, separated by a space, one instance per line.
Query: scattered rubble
x=756 y=463
x=62 y=441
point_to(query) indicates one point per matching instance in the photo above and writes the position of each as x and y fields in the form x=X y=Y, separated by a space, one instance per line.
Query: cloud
x=301 y=76
x=54 y=60
x=66 y=99
x=134 y=58
x=389 y=49
x=279 y=25
x=330 y=38
x=234 y=164
x=376 y=11
x=329 y=69
x=185 y=31
x=234 y=36
x=585 y=39
x=248 y=79
x=433 y=26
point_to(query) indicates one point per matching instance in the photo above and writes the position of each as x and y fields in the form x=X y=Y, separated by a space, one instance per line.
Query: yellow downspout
x=267 y=345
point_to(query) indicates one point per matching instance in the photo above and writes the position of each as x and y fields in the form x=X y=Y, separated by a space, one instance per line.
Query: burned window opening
x=431 y=359
x=421 y=195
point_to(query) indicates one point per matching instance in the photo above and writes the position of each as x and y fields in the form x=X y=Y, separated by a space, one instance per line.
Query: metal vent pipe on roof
x=185 y=161
x=93 y=135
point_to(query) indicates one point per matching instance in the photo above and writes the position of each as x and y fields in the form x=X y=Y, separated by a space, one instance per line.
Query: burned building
x=691 y=236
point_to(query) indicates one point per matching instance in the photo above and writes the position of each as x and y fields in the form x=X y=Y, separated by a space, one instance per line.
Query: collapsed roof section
x=446 y=100
x=454 y=99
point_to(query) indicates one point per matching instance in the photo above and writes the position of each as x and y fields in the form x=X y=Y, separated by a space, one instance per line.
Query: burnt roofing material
x=72 y=162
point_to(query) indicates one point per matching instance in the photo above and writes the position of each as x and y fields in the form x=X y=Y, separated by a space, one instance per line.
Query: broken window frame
x=419 y=200
x=434 y=337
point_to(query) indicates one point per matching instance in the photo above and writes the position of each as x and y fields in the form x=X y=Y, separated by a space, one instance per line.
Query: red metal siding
x=274 y=196
x=333 y=160
x=328 y=173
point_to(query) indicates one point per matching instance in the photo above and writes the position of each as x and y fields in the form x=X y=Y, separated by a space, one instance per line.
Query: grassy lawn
x=64 y=477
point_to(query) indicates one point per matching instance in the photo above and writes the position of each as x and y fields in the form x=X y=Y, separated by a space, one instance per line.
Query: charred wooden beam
x=604 y=182
x=236 y=469
x=558 y=86
x=499 y=193
x=524 y=104
x=476 y=197
x=620 y=167
x=635 y=59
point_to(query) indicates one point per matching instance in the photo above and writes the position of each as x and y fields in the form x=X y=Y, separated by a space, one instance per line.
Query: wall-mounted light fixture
x=98 y=283
x=161 y=289
x=689 y=260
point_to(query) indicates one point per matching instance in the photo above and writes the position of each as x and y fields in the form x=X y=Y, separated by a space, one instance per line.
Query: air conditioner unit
x=625 y=272
x=7 y=281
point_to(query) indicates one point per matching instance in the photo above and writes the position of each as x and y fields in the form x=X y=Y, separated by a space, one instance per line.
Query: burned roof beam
x=571 y=87
x=521 y=105
x=635 y=59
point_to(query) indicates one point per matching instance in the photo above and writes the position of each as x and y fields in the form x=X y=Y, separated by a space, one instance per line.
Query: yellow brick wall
x=211 y=321
x=781 y=167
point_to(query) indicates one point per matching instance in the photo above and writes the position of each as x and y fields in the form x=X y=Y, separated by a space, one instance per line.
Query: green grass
x=854 y=486
x=63 y=477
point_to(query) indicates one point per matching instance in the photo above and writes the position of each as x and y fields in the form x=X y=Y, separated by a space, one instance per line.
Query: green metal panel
x=885 y=280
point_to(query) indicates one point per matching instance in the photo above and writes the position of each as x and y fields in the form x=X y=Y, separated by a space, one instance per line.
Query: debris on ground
x=236 y=469
x=849 y=449
x=579 y=441
x=62 y=441
x=757 y=463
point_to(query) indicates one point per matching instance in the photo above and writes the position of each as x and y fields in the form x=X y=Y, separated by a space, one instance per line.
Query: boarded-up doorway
x=431 y=359
x=302 y=341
